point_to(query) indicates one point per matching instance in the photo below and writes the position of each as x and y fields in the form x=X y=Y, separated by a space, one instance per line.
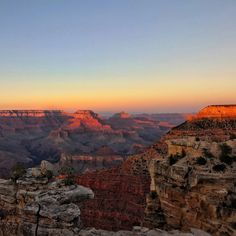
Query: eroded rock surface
x=216 y=112
x=36 y=206
x=120 y=194
x=141 y=231
x=195 y=183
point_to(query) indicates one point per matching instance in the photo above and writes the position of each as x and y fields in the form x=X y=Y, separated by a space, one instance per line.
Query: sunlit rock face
x=87 y=119
x=35 y=205
x=216 y=112
x=194 y=184
x=122 y=115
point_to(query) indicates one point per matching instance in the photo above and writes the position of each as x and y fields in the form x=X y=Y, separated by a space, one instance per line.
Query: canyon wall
x=194 y=184
x=120 y=194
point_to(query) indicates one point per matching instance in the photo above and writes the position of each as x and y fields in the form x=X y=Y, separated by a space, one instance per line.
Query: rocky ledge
x=141 y=231
x=33 y=205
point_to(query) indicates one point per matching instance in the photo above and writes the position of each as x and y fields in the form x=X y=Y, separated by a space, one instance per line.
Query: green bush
x=232 y=136
x=207 y=153
x=233 y=225
x=219 y=167
x=153 y=194
x=17 y=172
x=176 y=157
x=233 y=204
x=225 y=157
x=3 y=214
x=49 y=174
x=225 y=149
x=183 y=153
x=69 y=173
x=172 y=159
x=201 y=161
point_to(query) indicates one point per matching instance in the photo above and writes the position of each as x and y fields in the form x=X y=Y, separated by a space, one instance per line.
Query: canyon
x=83 y=139
x=183 y=182
x=192 y=181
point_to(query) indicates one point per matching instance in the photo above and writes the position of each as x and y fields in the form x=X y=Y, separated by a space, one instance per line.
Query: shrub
x=233 y=204
x=153 y=194
x=2 y=214
x=172 y=159
x=219 y=167
x=183 y=153
x=176 y=157
x=226 y=159
x=17 y=172
x=69 y=181
x=226 y=150
x=201 y=161
x=207 y=153
x=69 y=173
x=232 y=136
x=49 y=174
x=233 y=225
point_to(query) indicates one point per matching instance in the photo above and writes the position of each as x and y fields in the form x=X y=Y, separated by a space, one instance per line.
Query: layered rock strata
x=30 y=136
x=36 y=206
x=216 y=112
x=194 y=185
x=120 y=194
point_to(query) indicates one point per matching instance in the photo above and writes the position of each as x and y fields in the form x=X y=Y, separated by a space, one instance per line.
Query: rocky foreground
x=33 y=205
x=141 y=231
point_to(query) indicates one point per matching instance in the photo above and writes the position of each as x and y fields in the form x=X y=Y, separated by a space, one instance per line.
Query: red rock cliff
x=120 y=194
x=216 y=111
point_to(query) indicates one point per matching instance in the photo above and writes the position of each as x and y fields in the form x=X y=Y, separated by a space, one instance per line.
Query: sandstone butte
x=192 y=181
x=216 y=111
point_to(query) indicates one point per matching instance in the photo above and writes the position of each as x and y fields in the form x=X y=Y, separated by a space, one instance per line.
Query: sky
x=112 y=55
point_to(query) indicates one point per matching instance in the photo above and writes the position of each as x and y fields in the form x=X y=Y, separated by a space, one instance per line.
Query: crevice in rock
x=37 y=220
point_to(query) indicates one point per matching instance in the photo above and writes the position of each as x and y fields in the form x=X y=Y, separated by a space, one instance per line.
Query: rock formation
x=120 y=194
x=36 y=206
x=191 y=171
x=216 y=112
x=166 y=119
x=141 y=231
x=194 y=184
x=35 y=135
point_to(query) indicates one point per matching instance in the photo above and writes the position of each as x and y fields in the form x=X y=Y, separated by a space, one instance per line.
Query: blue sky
x=140 y=55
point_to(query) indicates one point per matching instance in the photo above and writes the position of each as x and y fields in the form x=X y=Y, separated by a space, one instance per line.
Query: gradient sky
x=105 y=55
